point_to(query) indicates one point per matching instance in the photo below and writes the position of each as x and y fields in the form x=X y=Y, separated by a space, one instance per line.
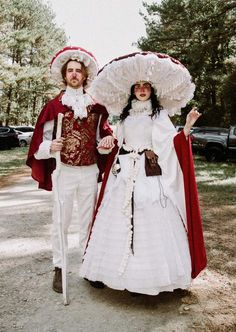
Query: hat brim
x=74 y=53
x=171 y=80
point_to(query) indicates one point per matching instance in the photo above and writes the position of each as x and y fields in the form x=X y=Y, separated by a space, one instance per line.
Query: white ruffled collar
x=140 y=107
x=77 y=101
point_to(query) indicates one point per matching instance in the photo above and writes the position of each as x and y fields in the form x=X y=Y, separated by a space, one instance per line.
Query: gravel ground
x=29 y=304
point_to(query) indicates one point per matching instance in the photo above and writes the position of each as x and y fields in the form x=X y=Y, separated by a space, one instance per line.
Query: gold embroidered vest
x=79 y=148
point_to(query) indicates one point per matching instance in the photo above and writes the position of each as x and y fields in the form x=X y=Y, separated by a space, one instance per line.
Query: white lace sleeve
x=44 y=148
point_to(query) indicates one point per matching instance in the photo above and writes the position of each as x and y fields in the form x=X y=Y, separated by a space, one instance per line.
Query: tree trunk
x=33 y=112
x=8 y=110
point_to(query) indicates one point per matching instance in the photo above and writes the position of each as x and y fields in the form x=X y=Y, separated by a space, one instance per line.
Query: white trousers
x=80 y=183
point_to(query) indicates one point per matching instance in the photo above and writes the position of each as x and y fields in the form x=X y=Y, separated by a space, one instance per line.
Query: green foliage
x=228 y=92
x=113 y=119
x=201 y=34
x=29 y=39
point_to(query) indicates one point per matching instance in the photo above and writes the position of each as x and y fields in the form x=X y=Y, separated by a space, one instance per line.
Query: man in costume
x=84 y=129
x=147 y=232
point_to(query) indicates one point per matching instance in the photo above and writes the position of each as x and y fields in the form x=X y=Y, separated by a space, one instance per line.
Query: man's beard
x=75 y=83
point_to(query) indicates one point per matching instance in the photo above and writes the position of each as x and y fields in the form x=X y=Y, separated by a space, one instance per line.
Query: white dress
x=160 y=260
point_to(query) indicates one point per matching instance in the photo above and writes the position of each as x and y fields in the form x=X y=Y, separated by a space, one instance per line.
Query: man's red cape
x=42 y=169
x=194 y=222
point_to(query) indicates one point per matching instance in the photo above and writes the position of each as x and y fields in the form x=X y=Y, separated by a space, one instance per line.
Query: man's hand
x=191 y=118
x=57 y=144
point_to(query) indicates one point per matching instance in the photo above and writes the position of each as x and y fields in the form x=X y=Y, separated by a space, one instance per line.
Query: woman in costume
x=147 y=233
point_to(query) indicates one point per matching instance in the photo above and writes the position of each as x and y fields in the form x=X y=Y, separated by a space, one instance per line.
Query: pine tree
x=29 y=38
x=201 y=34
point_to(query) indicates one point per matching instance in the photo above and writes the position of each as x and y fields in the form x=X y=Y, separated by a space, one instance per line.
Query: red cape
x=194 y=222
x=42 y=169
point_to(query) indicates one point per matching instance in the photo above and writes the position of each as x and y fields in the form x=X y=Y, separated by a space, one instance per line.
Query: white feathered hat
x=171 y=81
x=74 y=53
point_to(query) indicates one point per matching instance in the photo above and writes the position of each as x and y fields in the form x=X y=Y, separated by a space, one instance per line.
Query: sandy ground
x=29 y=304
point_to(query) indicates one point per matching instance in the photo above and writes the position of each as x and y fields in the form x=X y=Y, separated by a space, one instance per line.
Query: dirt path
x=14 y=177
x=28 y=303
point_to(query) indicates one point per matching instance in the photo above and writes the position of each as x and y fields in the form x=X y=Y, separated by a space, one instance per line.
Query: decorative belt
x=129 y=206
x=123 y=151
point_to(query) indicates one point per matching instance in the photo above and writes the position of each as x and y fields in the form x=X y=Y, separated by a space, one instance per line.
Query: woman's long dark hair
x=156 y=107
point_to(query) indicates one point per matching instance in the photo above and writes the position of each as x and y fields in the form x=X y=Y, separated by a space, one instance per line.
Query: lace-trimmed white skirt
x=160 y=260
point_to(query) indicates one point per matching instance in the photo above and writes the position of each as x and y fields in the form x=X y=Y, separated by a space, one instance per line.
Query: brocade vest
x=79 y=147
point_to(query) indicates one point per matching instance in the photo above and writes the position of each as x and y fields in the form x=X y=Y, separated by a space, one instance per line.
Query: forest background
x=199 y=33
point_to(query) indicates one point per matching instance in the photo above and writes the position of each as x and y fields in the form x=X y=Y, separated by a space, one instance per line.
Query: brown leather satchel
x=152 y=168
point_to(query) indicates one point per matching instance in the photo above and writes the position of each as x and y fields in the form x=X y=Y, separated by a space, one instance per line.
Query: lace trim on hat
x=171 y=82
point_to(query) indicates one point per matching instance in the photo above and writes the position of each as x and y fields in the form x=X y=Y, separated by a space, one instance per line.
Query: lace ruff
x=141 y=107
x=77 y=100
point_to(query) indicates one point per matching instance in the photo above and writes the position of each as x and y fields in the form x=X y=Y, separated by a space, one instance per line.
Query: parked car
x=179 y=128
x=215 y=143
x=24 y=129
x=24 y=138
x=8 y=138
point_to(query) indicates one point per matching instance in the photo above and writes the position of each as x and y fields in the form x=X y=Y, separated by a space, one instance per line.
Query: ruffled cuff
x=44 y=151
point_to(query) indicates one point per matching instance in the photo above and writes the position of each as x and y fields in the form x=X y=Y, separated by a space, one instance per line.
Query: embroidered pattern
x=80 y=139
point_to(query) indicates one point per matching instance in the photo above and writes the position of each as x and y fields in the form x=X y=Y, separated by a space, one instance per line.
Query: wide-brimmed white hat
x=171 y=81
x=74 y=53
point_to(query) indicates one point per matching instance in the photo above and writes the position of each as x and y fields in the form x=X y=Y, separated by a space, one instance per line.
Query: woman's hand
x=57 y=144
x=106 y=143
x=191 y=118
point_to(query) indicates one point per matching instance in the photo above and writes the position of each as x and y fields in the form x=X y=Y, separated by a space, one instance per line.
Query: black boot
x=57 y=280
x=97 y=284
x=133 y=294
